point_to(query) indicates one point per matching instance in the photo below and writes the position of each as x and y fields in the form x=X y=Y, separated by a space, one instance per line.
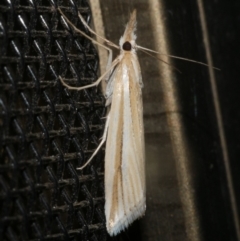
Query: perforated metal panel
x=48 y=131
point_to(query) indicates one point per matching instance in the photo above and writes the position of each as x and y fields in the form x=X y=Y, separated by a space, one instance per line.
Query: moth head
x=127 y=41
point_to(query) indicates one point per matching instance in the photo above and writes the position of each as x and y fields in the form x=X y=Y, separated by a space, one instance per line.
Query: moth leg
x=110 y=55
x=106 y=40
x=114 y=63
x=93 y=32
x=94 y=41
x=104 y=137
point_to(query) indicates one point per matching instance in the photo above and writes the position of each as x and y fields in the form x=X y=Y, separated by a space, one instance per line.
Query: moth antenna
x=161 y=60
x=176 y=57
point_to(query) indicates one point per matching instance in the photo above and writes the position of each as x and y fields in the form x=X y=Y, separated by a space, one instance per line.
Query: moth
x=125 y=189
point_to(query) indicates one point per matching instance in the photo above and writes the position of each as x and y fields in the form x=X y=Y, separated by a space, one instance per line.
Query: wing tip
x=137 y=212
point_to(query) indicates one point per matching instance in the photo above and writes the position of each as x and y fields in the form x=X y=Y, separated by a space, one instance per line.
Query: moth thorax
x=127 y=46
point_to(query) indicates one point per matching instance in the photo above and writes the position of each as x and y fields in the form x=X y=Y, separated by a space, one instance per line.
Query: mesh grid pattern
x=47 y=130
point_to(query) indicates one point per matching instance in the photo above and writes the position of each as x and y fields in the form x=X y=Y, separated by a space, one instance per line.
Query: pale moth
x=125 y=189
x=125 y=195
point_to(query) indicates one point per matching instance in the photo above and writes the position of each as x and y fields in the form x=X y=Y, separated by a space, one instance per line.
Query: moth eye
x=127 y=46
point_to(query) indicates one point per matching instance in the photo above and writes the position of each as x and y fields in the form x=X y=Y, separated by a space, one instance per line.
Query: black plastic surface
x=48 y=131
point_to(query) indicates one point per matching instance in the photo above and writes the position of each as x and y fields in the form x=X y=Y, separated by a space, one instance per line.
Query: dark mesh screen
x=48 y=131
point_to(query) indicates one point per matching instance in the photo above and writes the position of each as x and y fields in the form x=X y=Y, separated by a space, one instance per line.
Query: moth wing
x=125 y=155
x=109 y=88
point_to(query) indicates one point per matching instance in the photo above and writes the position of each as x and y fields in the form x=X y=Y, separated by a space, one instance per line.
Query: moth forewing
x=125 y=160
